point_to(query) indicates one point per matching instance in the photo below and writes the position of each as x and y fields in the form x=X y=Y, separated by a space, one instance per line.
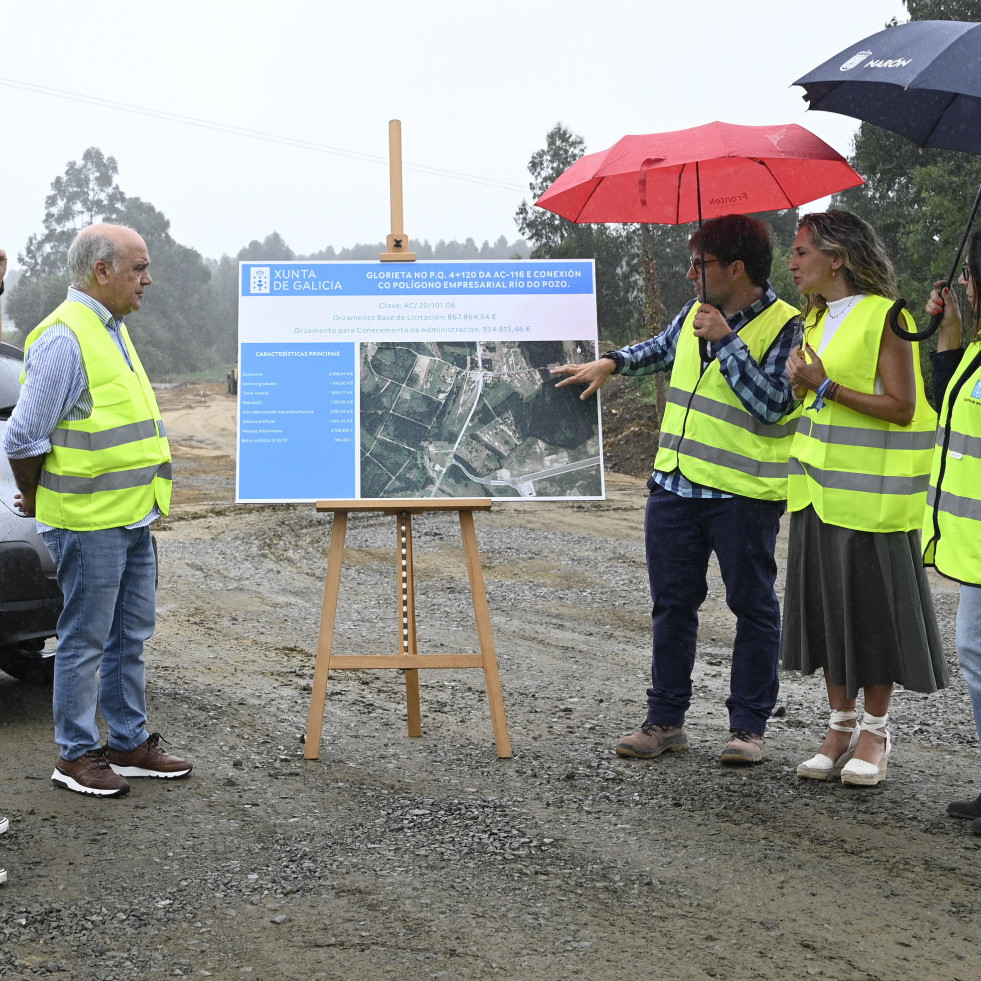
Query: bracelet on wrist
x=820 y=393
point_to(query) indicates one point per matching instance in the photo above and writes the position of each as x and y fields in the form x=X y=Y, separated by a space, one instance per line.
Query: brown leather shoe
x=89 y=774
x=147 y=760
x=744 y=748
x=651 y=740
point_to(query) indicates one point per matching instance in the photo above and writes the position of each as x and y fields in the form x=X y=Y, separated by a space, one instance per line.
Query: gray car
x=30 y=599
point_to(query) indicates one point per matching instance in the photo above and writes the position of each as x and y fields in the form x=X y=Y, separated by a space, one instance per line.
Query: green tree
x=85 y=194
x=615 y=248
x=546 y=229
x=969 y=10
x=178 y=328
x=271 y=249
x=30 y=300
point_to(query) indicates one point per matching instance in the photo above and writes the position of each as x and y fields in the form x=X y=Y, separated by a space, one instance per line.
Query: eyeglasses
x=694 y=262
x=966 y=272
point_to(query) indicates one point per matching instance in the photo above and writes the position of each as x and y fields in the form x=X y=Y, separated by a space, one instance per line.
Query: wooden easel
x=408 y=659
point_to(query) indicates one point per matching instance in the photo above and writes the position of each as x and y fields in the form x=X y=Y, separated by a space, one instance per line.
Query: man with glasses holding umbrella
x=719 y=482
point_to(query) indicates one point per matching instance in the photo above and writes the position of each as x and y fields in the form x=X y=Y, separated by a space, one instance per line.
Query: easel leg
x=407 y=620
x=318 y=695
x=489 y=656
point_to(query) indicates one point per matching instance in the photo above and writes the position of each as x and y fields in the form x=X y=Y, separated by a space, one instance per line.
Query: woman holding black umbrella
x=857 y=603
x=952 y=525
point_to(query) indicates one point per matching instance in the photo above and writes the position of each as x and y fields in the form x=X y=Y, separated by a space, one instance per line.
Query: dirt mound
x=630 y=431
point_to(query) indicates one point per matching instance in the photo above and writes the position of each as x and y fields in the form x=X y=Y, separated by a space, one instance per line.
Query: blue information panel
x=297 y=419
x=372 y=380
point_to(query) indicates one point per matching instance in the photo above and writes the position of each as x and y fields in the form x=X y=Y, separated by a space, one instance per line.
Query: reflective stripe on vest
x=118 y=480
x=952 y=520
x=709 y=435
x=856 y=471
x=109 y=469
x=118 y=436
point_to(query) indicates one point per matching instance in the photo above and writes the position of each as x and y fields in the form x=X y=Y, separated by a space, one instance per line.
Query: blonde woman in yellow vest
x=952 y=522
x=857 y=603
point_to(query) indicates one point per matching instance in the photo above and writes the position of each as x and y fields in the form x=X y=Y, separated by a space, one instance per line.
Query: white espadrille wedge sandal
x=859 y=773
x=821 y=767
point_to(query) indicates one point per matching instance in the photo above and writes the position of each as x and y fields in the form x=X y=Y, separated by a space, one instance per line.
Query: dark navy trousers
x=681 y=534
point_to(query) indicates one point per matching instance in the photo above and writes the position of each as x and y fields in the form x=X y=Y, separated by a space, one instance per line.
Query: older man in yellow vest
x=88 y=449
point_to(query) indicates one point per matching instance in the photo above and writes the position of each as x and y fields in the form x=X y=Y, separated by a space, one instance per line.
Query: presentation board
x=373 y=380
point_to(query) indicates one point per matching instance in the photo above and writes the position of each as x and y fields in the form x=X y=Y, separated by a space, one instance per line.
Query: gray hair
x=86 y=250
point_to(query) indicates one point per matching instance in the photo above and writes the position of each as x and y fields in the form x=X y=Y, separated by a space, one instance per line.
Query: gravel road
x=392 y=857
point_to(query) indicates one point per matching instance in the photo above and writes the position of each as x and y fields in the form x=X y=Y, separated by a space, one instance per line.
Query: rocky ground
x=392 y=857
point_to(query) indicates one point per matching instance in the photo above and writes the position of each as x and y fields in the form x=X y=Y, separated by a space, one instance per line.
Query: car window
x=11 y=366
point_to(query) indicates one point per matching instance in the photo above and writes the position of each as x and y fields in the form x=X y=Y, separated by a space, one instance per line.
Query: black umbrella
x=921 y=79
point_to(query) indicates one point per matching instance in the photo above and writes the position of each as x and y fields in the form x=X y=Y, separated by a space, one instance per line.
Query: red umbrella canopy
x=659 y=177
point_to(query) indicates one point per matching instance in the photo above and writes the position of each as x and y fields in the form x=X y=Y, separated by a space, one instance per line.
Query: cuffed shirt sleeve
x=54 y=382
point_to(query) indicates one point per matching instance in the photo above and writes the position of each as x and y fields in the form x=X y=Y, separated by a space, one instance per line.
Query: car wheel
x=29 y=666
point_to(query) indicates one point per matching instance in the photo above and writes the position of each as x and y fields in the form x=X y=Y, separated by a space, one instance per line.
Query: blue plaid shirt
x=763 y=389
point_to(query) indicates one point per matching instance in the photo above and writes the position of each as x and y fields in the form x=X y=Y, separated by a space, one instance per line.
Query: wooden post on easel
x=408 y=659
x=397 y=241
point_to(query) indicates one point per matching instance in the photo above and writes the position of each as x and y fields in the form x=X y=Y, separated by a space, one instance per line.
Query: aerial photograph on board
x=477 y=419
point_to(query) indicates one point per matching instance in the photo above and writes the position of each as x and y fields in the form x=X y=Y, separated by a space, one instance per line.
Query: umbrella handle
x=912 y=335
x=931 y=328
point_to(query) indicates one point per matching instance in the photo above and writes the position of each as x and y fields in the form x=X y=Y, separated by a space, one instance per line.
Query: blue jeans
x=969 y=646
x=108 y=579
x=681 y=534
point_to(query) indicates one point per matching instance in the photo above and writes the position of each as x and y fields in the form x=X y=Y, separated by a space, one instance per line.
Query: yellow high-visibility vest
x=709 y=435
x=952 y=521
x=109 y=469
x=860 y=472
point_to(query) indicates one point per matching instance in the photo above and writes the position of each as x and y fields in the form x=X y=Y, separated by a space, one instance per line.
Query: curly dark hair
x=733 y=237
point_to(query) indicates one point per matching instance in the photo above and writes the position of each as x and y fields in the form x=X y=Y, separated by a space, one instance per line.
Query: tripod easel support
x=408 y=660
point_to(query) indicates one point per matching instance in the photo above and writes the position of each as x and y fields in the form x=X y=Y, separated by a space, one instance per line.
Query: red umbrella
x=702 y=172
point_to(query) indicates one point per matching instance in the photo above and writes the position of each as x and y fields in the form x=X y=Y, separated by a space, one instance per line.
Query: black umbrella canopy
x=921 y=79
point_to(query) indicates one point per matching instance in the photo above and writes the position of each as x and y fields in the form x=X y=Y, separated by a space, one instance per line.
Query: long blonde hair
x=865 y=264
